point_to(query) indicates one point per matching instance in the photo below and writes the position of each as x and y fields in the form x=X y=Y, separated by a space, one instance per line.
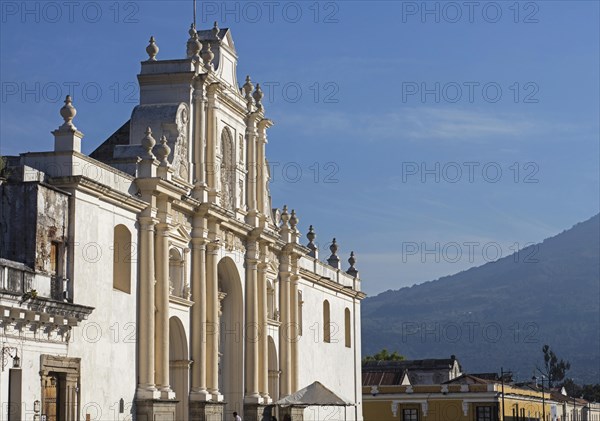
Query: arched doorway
x=273 y=371
x=179 y=366
x=231 y=337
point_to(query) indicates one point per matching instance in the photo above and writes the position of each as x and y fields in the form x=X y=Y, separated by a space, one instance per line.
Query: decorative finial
x=162 y=152
x=148 y=142
x=311 y=242
x=248 y=87
x=352 y=270
x=293 y=220
x=333 y=247
x=68 y=113
x=258 y=96
x=193 y=45
x=207 y=55
x=152 y=49
x=334 y=260
x=215 y=31
x=285 y=217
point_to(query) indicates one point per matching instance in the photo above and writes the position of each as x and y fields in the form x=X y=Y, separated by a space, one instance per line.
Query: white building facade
x=154 y=279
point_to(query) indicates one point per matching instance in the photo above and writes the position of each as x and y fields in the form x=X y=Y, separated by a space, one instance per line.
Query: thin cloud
x=419 y=124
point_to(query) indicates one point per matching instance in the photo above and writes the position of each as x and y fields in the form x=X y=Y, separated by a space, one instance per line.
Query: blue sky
x=430 y=137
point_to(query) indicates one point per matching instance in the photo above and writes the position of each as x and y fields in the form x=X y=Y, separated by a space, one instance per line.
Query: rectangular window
x=410 y=415
x=484 y=413
x=54 y=256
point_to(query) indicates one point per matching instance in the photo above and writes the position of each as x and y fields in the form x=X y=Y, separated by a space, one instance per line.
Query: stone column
x=285 y=385
x=198 y=317
x=294 y=331
x=71 y=398
x=251 y=161
x=252 y=326
x=199 y=142
x=211 y=143
x=162 y=314
x=263 y=338
x=212 y=319
x=146 y=389
x=261 y=183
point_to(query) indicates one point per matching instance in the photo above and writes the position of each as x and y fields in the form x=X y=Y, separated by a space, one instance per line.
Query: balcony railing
x=18 y=279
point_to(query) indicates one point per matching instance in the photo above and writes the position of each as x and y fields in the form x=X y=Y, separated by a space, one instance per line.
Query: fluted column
x=146 y=388
x=162 y=310
x=263 y=364
x=285 y=384
x=198 y=317
x=252 y=326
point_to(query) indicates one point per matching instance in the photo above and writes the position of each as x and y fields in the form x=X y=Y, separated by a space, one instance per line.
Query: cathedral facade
x=154 y=279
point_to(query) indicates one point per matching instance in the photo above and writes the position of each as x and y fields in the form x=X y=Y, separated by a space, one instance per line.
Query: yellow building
x=465 y=398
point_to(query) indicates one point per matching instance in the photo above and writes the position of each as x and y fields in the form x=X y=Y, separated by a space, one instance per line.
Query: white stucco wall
x=333 y=364
x=106 y=341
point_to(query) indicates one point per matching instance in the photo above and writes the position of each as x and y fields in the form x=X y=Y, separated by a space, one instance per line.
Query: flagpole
x=194 y=13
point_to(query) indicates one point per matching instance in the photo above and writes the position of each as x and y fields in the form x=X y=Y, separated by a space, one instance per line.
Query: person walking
x=236 y=417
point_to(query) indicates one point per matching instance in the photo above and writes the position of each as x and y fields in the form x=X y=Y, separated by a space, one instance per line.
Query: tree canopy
x=384 y=355
x=555 y=369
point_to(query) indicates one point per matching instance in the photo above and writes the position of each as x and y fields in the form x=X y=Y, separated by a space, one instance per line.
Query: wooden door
x=51 y=398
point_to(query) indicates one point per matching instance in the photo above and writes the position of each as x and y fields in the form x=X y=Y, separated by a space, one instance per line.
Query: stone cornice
x=158 y=185
x=331 y=285
x=40 y=318
x=101 y=191
x=166 y=78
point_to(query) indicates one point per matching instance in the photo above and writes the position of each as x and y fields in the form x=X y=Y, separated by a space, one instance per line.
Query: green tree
x=572 y=388
x=591 y=392
x=555 y=369
x=384 y=355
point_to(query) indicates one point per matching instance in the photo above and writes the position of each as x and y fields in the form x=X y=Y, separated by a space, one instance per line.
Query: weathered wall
x=32 y=217
x=52 y=225
x=18 y=211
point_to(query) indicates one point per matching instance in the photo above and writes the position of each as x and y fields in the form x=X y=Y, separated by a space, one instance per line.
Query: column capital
x=199 y=243
x=163 y=228
x=147 y=222
x=212 y=248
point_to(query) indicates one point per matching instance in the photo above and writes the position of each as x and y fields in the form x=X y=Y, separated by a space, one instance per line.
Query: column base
x=167 y=394
x=155 y=409
x=147 y=392
x=257 y=412
x=206 y=411
x=291 y=413
x=253 y=399
x=200 y=396
x=216 y=396
x=252 y=218
x=200 y=192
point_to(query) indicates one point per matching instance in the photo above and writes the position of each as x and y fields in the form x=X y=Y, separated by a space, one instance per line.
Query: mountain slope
x=503 y=312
